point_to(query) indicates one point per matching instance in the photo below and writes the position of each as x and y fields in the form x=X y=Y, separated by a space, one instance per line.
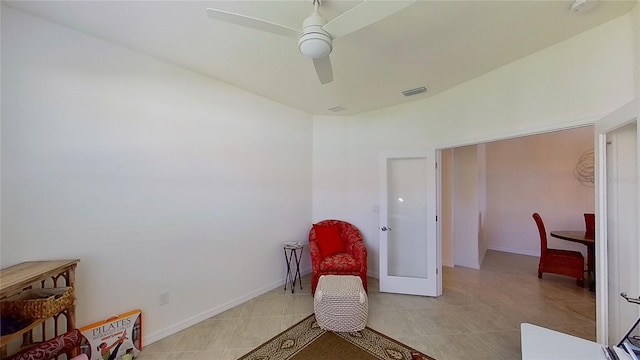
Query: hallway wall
x=536 y=174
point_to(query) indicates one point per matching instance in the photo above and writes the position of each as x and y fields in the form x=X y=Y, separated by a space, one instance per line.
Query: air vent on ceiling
x=415 y=91
x=337 y=108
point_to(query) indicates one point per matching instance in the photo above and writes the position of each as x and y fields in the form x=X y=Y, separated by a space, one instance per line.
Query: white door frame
x=630 y=111
x=431 y=285
x=619 y=118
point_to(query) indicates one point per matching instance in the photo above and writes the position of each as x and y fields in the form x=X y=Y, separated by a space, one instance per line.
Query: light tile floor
x=477 y=317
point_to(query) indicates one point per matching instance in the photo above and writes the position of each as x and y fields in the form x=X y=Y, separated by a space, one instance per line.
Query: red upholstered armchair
x=336 y=248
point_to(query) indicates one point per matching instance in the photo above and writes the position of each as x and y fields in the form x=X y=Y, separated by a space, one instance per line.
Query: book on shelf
x=117 y=338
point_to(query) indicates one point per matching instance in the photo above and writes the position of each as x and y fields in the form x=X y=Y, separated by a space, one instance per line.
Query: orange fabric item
x=329 y=239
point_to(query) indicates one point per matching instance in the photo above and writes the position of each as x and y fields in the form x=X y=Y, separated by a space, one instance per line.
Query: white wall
x=468 y=205
x=465 y=207
x=571 y=83
x=156 y=178
x=483 y=240
x=536 y=174
x=446 y=197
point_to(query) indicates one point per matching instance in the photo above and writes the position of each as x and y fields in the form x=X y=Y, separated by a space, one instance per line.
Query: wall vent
x=415 y=91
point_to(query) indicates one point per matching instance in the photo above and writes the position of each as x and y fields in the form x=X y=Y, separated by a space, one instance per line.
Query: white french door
x=408 y=239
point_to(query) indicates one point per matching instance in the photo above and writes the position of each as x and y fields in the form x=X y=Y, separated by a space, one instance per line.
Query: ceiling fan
x=315 y=38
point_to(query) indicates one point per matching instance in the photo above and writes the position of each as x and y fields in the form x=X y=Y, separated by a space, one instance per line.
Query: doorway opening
x=489 y=192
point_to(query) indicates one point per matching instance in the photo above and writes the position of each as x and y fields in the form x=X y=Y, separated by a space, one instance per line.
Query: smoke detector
x=580 y=6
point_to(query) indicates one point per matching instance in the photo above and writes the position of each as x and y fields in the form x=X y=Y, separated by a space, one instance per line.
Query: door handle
x=384 y=228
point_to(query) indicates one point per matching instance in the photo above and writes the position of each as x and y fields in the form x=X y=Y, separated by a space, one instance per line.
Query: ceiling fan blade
x=251 y=22
x=363 y=15
x=323 y=69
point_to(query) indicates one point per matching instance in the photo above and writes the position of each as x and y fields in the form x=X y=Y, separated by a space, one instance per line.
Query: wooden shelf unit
x=38 y=274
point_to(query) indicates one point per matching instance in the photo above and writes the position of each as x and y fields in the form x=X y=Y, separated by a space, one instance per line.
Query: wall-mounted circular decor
x=584 y=170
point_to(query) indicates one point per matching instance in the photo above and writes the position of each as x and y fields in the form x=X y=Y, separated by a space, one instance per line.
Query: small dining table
x=582 y=238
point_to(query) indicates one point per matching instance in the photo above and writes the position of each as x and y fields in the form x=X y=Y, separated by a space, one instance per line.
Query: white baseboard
x=515 y=251
x=186 y=323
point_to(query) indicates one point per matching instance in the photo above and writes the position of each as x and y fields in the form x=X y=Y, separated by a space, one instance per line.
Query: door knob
x=384 y=228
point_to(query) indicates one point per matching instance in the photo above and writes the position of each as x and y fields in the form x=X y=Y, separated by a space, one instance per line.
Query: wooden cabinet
x=38 y=274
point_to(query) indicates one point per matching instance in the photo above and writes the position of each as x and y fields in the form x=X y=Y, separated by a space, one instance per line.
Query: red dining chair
x=590 y=232
x=590 y=225
x=556 y=261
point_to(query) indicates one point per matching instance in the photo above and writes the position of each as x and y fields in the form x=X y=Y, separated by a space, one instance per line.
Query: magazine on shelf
x=630 y=342
x=616 y=353
x=632 y=349
x=116 y=338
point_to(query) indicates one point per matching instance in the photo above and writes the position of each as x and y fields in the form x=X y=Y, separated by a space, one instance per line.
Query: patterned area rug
x=306 y=340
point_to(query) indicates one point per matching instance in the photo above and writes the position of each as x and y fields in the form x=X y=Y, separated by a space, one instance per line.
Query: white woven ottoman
x=340 y=303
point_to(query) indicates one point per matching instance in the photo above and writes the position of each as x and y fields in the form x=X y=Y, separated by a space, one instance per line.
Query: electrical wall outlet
x=163 y=298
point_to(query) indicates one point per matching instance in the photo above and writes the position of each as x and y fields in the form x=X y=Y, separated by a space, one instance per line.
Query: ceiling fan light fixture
x=581 y=6
x=316 y=41
x=315 y=45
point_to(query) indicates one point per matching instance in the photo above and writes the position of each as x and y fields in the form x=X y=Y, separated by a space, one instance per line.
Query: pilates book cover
x=116 y=338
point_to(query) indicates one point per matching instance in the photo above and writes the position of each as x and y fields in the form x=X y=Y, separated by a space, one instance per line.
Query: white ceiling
x=437 y=44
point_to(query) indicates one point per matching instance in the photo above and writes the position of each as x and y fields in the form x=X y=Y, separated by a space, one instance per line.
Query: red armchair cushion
x=329 y=240
x=342 y=263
